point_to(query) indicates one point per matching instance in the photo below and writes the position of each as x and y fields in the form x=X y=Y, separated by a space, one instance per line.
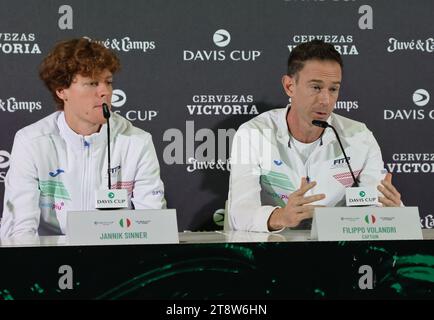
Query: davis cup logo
x=111 y=195
x=362 y=194
x=118 y=98
x=370 y=219
x=421 y=97
x=4 y=163
x=125 y=223
x=219 y=217
x=4 y=159
x=221 y=38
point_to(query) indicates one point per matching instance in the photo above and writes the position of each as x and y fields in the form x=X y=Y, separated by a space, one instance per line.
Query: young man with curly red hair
x=58 y=162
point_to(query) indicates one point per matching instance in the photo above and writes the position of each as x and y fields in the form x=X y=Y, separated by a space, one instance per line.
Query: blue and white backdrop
x=193 y=71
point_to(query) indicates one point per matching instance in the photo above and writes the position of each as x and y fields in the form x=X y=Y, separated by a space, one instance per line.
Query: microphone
x=105 y=110
x=106 y=114
x=111 y=198
x=321 y=124
x=324 y=124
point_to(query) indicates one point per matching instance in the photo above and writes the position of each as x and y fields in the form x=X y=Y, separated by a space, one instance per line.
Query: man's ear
x=288 y=84
x=62 y=94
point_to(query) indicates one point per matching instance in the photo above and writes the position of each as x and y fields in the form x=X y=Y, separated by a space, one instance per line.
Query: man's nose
x=324 y=97
x=104 y=90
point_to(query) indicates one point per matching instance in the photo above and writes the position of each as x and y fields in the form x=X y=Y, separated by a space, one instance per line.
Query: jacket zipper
x=86 y=179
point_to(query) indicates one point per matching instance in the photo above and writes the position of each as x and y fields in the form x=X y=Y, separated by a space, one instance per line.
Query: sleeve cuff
x=260 y=223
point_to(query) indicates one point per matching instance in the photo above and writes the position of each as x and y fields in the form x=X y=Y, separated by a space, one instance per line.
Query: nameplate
x=122 y=227
x=367 y=223
x=361 y=196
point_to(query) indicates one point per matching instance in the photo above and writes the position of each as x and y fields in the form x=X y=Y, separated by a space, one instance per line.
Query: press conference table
x=218 y=265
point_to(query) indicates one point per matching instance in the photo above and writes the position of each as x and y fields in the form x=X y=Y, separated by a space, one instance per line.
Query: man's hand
x=297 y=208
x=392 y=198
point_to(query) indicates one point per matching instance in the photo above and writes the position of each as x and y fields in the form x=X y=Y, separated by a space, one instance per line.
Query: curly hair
x=72 y=57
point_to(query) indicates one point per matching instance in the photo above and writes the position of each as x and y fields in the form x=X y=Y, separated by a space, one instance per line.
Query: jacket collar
x=79 y=141
x=285 y=136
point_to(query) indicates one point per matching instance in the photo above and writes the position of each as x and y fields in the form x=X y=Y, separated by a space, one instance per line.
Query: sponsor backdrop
x=193 y=71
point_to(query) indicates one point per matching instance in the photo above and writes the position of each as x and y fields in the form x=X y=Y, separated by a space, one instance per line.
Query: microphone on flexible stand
x=111 y=198
x=325 y=124
x=106 y=113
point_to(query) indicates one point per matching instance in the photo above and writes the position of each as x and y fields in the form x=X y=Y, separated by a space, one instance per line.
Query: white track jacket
x=53 y=170
x=265 y=169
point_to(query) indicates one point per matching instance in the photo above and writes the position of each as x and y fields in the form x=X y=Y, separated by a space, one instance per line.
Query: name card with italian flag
x=366 y=223
x=122 y=227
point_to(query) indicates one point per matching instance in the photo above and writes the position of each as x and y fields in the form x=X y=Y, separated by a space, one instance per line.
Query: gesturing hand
x=392 y=198
x=297 y=208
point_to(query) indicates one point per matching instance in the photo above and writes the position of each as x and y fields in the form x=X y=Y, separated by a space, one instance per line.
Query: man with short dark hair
x=283 y=166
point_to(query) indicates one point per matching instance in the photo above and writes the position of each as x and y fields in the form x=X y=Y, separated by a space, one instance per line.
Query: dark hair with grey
x=312 y=50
